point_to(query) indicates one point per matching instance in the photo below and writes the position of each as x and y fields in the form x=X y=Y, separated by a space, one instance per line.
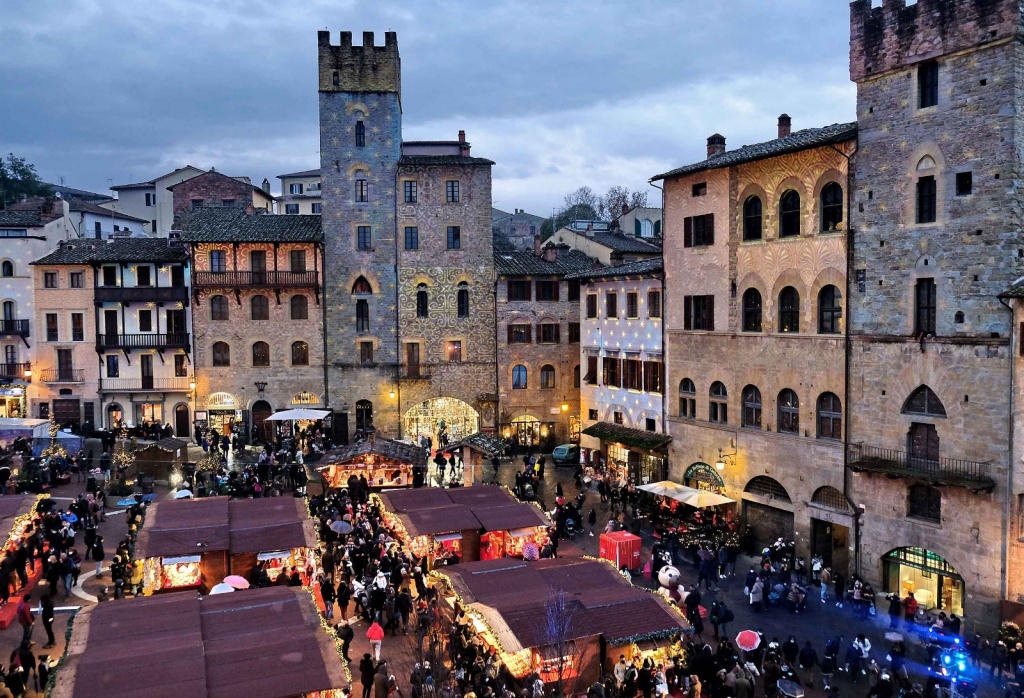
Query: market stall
x=383 y=462
x=477 y=449
x=159 y=459
x=695 y=516
x=274 y=535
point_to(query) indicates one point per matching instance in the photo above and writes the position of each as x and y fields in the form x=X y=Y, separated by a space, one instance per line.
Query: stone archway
x=441 y=419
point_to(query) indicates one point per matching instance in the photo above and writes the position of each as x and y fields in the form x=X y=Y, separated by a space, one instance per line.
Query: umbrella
x=341 y=527
x=130 y=501
x=299 y=413
x=236 y=582
x=531 y=551
x=149 y=498
x=222 y=588
x=702 y=611
x=701 y=499
x=893 y=637
x=666 y=488
x=748 y=640
x=182 y=494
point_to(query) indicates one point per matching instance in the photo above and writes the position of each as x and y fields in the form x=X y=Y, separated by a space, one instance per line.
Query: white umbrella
x=222 y=588
x=298 y=413
x=182 y=494
x=667 y=488
x=702 y=499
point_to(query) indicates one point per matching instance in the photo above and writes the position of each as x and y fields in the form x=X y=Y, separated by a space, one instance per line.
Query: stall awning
x=445 y=537
x=522 y=532
x=637 y=438
x=180 y=560
x=275 y=555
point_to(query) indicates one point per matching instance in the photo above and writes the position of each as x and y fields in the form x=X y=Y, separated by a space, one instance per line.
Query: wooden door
x=924 y=442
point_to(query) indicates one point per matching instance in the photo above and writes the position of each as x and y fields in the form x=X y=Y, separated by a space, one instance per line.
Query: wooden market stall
x=383 y=462
x=259 y=642
x=477 y=449
x=605 y=616
x=18 y=520
x=160 y=458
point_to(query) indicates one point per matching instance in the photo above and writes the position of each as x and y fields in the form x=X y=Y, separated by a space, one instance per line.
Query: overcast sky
x=559 y=93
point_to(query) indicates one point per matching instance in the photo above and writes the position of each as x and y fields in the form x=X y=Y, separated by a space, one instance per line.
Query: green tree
x=18 y=177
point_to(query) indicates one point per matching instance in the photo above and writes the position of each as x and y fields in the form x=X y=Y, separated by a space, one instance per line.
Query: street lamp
x=720 y=463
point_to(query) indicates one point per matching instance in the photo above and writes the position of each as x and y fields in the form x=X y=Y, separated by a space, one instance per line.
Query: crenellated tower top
x=366 y=68
x=899 y=34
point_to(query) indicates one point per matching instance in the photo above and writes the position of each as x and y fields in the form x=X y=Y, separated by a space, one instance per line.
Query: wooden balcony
x=62 y=375
x=142 y=294
x=143 y=340
x=10 y=372
x=895 y=463
x=17 y=328
x=129 y=385
x=246 y=279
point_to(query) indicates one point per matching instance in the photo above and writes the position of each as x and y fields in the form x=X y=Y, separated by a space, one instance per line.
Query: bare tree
x=583 y=200
x=617 y=198
x=561 y=638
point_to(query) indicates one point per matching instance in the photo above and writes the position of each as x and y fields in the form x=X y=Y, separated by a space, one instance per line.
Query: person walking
x=895 y=610
x=592 y=521
x=26 y=619
x=808 y=658
x=366 y=673
x=346 y=635
x=327 y=594
x=825 y=579
x=757 y=595
x=375 y=634
x=495 y=463
x=47 y=615
x=840 y=588
x=98 y=555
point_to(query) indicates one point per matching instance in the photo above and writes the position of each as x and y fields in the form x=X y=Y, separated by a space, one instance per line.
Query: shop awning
x=445 y=537
x=181 y=560
x=295 y=414
x=637 y=438
x=522 y=532
x=275 y=555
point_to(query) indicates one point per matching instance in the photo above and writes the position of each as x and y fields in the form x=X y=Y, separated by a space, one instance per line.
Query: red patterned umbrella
x=748 y=640
x=531 y=551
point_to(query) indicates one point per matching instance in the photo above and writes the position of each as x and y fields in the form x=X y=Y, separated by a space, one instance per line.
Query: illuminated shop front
x=12 y=401
x=936 y=584
x=632 y=455
x=383 y=462
x=443 y=420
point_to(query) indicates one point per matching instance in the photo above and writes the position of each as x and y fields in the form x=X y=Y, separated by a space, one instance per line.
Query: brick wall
x=212 y=189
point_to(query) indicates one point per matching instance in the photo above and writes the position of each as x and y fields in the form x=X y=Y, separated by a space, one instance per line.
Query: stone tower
x=360 y=146
x=936 y=240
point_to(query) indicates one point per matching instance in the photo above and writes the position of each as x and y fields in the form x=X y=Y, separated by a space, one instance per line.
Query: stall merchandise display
x=171 y=573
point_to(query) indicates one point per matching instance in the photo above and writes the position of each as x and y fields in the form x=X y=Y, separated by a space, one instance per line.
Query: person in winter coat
x=98 y=555
x=366 y=673
x=757 y=595
x=375 y=634
x=346 y=635
x=592 y=521
x=895 y=610
x=807 y=659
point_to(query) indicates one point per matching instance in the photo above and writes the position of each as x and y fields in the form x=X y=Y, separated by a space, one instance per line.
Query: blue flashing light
x=946 y=659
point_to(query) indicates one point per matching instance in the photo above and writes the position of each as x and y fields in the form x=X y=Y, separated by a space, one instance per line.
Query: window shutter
x=529 y=334
x=556 y=285
x=1021 y=339
x=657 y=228
x=529 y=290
x=711 y=313
x=688 y=232
x=558 y=334
x=636 y=227
x=687 y=312
x=709 y=224
x=510 y=334
x=647 y=378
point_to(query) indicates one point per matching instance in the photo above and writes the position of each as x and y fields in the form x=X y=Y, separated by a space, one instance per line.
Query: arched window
x=830 y=310
x=519 y=377
x=300 y=307
x=789 y=310
x=646 y=228
x=752 y=407
x=260 y=308
x=364 y=415
x=687 y=399
x=463 y=299
x=718 y=409
x=924 y=502
x=300 y=354
x=422 y=301
x=576 y=376
x=751 y=310
x=768 y=487
x=260 y=354
x=831 y=207
x=360 y=135
x=361 y=287
x=8 y=268
x=221 y=354
x=219 y=308
x=752 y=218
x=362 y=315
x=830 y=417
x=789 y=214
x=789 y=412
x=924 y=401
x=547 y=376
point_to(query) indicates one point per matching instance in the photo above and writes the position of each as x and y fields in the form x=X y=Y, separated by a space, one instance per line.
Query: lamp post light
x=724 y=458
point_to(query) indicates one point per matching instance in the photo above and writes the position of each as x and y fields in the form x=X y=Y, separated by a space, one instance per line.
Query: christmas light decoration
x=54 y=450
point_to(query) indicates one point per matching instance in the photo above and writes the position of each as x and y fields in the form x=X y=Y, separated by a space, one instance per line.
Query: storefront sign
x=704 y=477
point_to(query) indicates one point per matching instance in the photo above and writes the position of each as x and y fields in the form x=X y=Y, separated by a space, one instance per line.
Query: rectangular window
x=143 y=276
x=317 y=208
x=591 y=376
x=295 y=188
x=410 y=192
x=113 y=366
x=97 y=230
x=591 y=306
x=218 y=263
x=451 y=191
x=77 y=327
x=51 y=327
x=362 y=191
x=291 y=209
x=611 y=305
x=547 y=290
x=197 y=204
x=362 y=315
x=412 y=238
x=654 y=376
x=652 y=424
x=180 y=365
x=964 y=183
x=227 y=203
x=550 y=333
x=927 y=84
x=77 y=279
x=412 y=360
x=363 y=238
x=574 y=291
x=699 y=313
x=454 y=352
x=454 y=237
x=925 y=306
x=150 y=199
x=360 y=134
x=145 y=321
x=633 y=373
x=518 y=290
x=632 y=305
x=298 y=261
x=617 y=417
x=654 y=304
x=592 y=415
x=926 y=200
x=50 y=279
x=700 y=189
x=366 y=353
x=612 y=369
x=699 y=231
x=520 y=334
x=152 y=226
x=574 y=333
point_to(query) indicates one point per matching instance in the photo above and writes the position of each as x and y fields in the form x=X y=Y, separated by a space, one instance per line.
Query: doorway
x=832 y=542
x=110 y=328
x=923 y=442
x=260 y=411
x=181 y=422
x=146 y=371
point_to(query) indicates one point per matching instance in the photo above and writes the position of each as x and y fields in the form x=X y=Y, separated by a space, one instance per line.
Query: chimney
x=784 y=125
x=590 y=230
x=716 y=144
x=463 y=145
x=250 y=209
x=536 y=245
x=266 y=185
x=625 y=209
x=550 y=254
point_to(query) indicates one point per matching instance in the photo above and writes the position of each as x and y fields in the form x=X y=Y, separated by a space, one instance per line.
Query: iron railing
x=62 y=375
x=14 y=327
x=143 y=340
x=236 y=279
x=900 y=463
x=414 y=372
x=172 y=384
x=15 y=371
x=142 y=294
